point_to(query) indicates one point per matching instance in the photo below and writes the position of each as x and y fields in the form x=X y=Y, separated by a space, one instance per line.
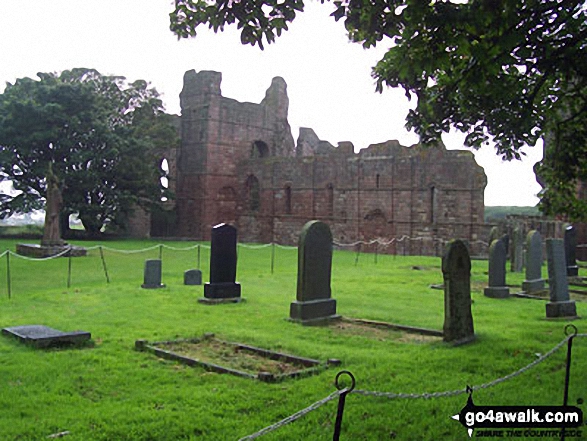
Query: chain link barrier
x=426 y=395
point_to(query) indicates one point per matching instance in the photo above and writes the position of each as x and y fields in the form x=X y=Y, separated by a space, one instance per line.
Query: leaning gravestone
x=571 y=251
x=560 y=304
x=222 y=287
x=497 y=259
x=152 y=275
x=534 y=281
x=313 y=303
x=192 y=277
x=456 y=270
x=517 y=254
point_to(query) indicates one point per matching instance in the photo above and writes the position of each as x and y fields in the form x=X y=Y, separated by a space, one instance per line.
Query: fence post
x=272 y=256
x=198 y=257
x=573 y=329
x=341 y=400
x=104 y=264
x=358 y=254
x=69 y=271
x=8 y=282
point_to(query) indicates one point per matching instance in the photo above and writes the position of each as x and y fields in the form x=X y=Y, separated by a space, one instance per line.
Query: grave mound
x=233 y=358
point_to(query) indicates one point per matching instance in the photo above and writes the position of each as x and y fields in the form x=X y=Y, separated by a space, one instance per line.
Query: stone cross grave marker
x=534 y=281
x=313 y=299
x=560 y=304
x=152 y=274
x=222 y=287
x=497 y=262
x=192 y=277
x=456 y=270
x=571 y=251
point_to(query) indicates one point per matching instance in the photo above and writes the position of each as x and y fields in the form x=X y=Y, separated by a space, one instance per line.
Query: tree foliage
x=504 y=71
x=99 y=133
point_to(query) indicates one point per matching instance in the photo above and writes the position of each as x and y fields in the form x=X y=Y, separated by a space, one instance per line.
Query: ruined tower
x=217 y=133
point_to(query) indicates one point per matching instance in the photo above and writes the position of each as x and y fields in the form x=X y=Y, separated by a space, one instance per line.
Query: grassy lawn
x=109 y=391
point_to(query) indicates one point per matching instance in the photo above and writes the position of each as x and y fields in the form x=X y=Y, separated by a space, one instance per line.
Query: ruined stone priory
x=238 y=164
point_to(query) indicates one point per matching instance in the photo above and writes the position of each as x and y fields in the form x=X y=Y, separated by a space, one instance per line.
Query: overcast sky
x=329 y=83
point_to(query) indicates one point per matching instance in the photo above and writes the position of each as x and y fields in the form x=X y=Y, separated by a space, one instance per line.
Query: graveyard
x=105 y=389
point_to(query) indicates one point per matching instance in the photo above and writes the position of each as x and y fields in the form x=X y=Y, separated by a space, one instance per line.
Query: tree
x=100 y=135
x=504 y=71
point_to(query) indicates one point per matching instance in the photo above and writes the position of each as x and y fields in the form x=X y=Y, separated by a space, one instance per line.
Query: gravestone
x=222 y=287
x=571 y=251
x=506 y=241
x=493 y=235
x=313 y=299
x=517 y=254
x=534 y=281
x=497 y=262
x=152 y=275
x=192 y=277
x=456 y=270
x=42 y=336
x=560 y=304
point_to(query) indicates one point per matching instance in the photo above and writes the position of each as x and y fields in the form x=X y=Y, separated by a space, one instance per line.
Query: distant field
x=496 y=213
x=109 y=391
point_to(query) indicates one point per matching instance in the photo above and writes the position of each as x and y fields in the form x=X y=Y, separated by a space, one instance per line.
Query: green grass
x=109 y=391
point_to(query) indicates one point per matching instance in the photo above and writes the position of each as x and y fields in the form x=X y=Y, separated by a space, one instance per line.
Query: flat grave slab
x=234 y=358
x=41 y=336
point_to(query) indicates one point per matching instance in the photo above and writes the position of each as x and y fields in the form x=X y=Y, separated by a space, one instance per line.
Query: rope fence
x=426 y=395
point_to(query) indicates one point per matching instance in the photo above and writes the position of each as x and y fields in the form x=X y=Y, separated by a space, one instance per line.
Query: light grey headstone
x=571 y=251
x=313 y=299
x=192 y=277
x=493 y=234
x=497 y=262
x=534 y=281
x=517 y=254
x=456 y=270
x=152 y=275
x=560 y=304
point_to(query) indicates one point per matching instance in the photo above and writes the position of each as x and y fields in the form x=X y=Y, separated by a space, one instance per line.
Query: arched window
x=432 y=204
x=253 y=193
x=287 y=199
x=164 y=179
x=330 y=200
x=259 y=150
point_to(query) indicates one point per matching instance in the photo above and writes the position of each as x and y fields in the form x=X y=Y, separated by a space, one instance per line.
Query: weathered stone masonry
x=238 y=164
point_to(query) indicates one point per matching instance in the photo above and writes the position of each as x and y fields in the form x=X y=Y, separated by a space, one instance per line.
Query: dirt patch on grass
x=382 y=333
x=231 y=356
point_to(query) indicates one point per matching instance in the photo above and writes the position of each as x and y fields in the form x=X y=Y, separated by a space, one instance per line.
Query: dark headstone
x=222 y=287
x=571 y=251
x=43 y=336
x=152 y=275
x=456 y=270
x=534 y=281
x=506 y=242
x=560 y=304
x=313 y=299
x=517 y=254
x=497 y=259
x=192 y=277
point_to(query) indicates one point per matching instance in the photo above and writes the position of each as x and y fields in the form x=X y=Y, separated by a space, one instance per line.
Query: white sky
x=330 y=88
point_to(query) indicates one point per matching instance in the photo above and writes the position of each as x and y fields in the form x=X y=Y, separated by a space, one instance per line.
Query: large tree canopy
x=503 y=71
x=99 y=133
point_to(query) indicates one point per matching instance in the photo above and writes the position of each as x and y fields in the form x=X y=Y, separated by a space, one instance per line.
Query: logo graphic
x=510 y=417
